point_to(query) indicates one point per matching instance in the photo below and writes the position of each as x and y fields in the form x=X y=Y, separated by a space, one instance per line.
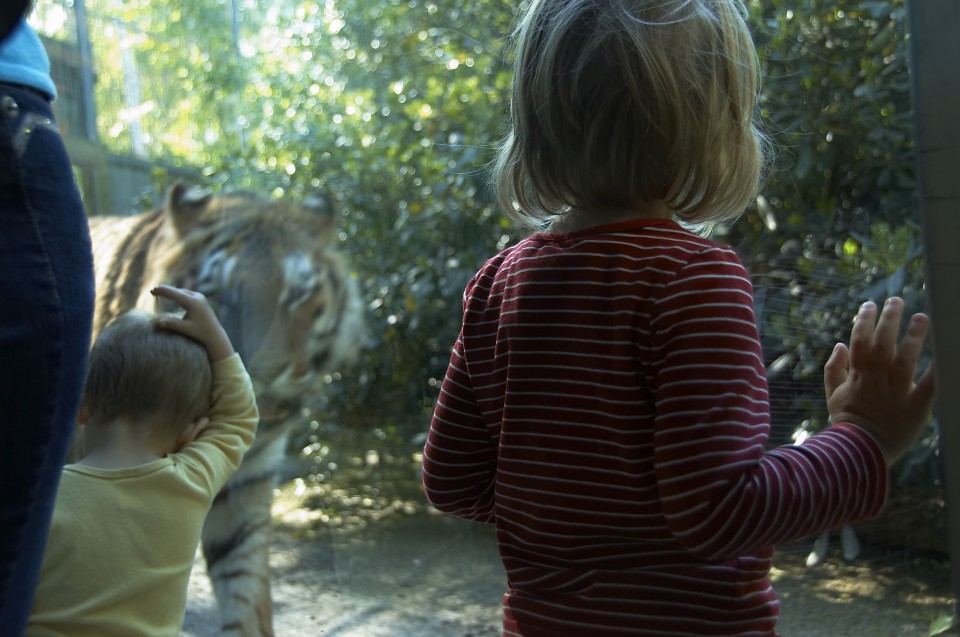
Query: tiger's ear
x=322 y=216
x=185 y=205
x=320 y=204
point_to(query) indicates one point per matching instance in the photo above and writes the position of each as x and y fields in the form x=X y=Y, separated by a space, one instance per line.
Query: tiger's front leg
x=236 y=543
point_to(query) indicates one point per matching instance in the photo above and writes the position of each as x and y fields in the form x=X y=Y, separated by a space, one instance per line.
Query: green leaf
x=942 y=625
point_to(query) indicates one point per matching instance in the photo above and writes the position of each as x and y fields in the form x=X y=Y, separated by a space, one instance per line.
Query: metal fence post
x=935 y=64
x=86 y=69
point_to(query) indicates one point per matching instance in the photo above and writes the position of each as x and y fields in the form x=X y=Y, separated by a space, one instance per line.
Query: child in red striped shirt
x=606 y=402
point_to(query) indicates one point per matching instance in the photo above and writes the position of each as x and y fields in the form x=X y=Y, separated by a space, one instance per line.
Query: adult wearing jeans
x=46 y=311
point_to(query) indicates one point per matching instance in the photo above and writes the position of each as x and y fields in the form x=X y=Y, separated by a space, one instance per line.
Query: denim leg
x=46 y=312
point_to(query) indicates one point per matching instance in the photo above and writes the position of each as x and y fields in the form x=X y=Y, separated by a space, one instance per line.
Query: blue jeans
x=46 y=314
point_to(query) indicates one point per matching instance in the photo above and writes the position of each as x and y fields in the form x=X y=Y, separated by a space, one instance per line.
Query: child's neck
x=115 y=446
x=110 y=459
x=575 y=219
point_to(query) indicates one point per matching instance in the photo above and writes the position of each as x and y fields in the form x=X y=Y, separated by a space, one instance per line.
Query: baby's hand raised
x=871 y=385
x=199 y=322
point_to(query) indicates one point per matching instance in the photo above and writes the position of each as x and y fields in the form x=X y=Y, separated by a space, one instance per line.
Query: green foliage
x=943 y=625
x=838 y=222
x=167 y=78
x=836 y=97
x=395 y=107
x=392 y=107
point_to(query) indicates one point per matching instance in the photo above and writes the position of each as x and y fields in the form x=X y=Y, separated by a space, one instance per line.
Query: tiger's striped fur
x=272 y=271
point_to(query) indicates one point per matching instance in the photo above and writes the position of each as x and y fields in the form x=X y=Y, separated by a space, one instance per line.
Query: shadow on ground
x=421 y=575
x=361 y=555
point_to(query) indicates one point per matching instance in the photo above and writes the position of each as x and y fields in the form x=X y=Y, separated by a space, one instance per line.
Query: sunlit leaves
x=395 y=107
x=841 y=193
x=836 y=99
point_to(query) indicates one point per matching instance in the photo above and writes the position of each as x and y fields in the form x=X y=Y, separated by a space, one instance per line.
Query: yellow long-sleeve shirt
x=123 y=541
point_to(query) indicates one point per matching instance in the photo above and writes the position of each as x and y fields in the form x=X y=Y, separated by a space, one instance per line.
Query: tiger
x=273 y=272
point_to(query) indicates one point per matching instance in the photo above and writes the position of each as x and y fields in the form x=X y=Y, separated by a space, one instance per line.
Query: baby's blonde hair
x=146 y=374
x=620 y=102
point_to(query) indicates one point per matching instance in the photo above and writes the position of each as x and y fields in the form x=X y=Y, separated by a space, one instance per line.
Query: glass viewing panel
x=364 y=131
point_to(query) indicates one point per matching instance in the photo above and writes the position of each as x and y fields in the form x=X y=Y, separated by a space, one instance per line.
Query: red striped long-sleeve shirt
x=606 y=407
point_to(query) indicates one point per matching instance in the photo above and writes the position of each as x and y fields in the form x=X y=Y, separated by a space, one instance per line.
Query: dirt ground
x=399 y=570
x=418 y=577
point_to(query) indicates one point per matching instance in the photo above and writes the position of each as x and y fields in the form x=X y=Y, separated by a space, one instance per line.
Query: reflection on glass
x=393 y=110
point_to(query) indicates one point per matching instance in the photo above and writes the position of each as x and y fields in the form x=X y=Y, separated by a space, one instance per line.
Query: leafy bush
x=838 y=222
x=395 y=106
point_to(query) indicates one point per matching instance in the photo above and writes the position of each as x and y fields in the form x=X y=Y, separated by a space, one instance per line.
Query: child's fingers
x=167 y=292
x=177 y=295
x=179 y=325
x=861 y=336
x=908 y=353
x=835 y=369
x=195 y=303
x=888 y=328
x=183 y=297
x=202 y=424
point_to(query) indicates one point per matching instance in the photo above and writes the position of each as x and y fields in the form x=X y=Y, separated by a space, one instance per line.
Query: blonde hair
x=620 y=102
x=144 y=373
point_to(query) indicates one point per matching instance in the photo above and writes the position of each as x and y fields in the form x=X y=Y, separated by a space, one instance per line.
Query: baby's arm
x=233 y=417
x=220 y=447
x=872 y=386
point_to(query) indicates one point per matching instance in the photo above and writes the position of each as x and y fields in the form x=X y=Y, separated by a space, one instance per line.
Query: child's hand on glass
x=871 y=384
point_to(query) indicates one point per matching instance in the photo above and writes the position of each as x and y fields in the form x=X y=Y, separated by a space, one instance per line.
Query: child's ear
x=191 y=432
x=78 y=446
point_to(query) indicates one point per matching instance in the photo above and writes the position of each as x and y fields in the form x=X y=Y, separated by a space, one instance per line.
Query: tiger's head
x=272 y=271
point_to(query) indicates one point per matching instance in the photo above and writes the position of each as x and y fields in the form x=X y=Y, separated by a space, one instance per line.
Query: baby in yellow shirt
x=167 y=414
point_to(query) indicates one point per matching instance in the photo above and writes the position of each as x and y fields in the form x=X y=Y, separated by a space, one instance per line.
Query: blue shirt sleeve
x=24 y=61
